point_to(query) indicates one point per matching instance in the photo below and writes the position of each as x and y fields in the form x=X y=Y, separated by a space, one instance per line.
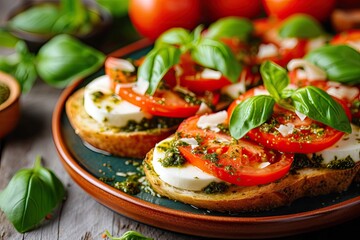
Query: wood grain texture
x=80 y=216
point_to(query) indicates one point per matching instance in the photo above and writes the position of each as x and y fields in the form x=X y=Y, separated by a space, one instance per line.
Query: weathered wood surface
x=80 y=217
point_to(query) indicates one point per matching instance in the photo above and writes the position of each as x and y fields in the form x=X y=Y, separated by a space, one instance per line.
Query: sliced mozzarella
x=349 y=145
x=300 y=115
x=343 y=92
x=109 y=109
x=258 y=92
x=208 y=73
x=286 y=129
x=315 y=43
x=267 y=50
x=235 y=89
x=186 y=177
x=212 y=120
x=122 y=64
x=289 y=43
x=204 y=108
x=311 y=71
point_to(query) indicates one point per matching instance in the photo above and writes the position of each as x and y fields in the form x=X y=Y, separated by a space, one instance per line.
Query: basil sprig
x=250 y=114
x=59 y=62
x=301 y=26
x=340 y=62
x=69 y=16
x=176 y=41
x=216 y=55
x=311 y=101
x=129 y=235
x=64 y=59
x=157 y=64
x=230 y=27
x=30 y=196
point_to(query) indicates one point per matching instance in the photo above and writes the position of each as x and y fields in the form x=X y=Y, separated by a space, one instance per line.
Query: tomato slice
x=346 y=37
x=188 y=74
x=310 y=136
x=285 y=54
x=241 y=162
x=119 y=70
x=163 y=103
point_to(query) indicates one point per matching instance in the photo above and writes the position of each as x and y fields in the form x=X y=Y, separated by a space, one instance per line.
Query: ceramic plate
x=86 y=167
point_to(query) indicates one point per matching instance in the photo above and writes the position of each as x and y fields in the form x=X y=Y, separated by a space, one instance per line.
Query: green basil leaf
x=117 y=8
x=38 y=19
x=64 y=59
x=301 y=26
x=230 y=27
x=340 y=62
x=21 y=65
x=156 y=64
x=129 y=235
x=30 y=195
x=7 y=40
x=174 y=36
x=320 y=106
x=216 y=55
x=275 y=79
x=249 y=114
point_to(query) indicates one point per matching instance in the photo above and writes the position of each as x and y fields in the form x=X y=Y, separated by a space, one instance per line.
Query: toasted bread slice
x=305 y=182
x=111 y=140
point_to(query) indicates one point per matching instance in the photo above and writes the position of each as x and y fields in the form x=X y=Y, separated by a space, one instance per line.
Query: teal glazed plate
x=87 y=167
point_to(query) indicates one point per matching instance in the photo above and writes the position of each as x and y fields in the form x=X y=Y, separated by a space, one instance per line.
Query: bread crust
x=124 y=144
x=305 y=182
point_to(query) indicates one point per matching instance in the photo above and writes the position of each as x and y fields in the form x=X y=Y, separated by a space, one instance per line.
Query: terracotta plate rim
x=177 y=220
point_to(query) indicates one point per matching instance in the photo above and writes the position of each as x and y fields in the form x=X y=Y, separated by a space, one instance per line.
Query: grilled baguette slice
x=108 y=139
x=305 y=182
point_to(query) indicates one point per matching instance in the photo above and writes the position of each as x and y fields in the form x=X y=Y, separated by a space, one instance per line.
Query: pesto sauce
x=215 y=187
x=303 y=161
x=130 y=185
x=4 y=92
x=149 y=124
x=172 y=158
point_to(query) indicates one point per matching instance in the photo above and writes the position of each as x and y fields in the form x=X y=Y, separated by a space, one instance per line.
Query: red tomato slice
x=346 y=37
x=310 y=137
x=164 y=103
x=191 y=79
x=198 y=84
x=286 y=54
x=114 y=68
x=240 y=163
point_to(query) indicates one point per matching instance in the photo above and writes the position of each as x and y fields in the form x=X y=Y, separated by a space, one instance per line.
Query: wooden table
x=80 y=217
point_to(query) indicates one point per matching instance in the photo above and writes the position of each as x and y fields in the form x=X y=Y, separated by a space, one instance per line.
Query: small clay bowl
x=10 y=108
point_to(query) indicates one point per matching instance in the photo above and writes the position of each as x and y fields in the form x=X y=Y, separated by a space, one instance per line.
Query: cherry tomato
x=307 y=138
x=152 y=17
x=319 y=9
x=240 y=163
x=164 y=103
x=215 y=9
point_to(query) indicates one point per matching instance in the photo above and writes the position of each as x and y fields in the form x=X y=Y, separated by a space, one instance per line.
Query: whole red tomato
x=215 y=9
x=319 y=9
x=152 y=17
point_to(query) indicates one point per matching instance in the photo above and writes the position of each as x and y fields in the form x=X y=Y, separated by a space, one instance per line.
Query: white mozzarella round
x=186 y=177
x=109 y=108
x=349 y=145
